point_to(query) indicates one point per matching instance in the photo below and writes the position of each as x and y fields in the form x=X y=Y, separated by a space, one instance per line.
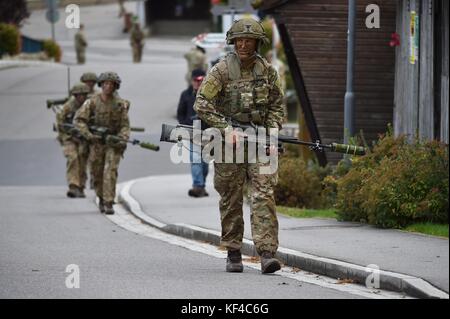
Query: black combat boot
x=101 y=205
x=197 y=192
x=72 y=192
x=109 y=210
x=269 y=264
x=234 y=261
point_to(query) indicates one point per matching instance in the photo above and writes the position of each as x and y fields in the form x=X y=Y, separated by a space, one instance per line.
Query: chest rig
x=107 y=114
x=246 y=96
x=73 y=108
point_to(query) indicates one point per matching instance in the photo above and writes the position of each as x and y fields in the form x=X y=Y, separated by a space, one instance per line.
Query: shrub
x=52 y=49
x=397 y=184
x=299 y=183
x=9 y=39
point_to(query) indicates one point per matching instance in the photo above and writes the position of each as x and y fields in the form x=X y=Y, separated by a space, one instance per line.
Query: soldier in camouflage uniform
x=105 y=109
x=90 y=79
x=80 y=45
x=245 y=88
x=75 y=148
x=137 y=42
x=196 y=59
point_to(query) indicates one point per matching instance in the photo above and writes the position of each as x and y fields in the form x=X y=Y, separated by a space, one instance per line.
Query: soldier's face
x=245 y=47
x=80 y=98
x=108 y=87
x=90 y=84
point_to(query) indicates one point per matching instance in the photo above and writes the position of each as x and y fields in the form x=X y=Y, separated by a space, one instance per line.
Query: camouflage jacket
x=136 y=37
x=230 y=92
x=66 y=116
x=196 y=59
x=112 y=115
x=80 y=41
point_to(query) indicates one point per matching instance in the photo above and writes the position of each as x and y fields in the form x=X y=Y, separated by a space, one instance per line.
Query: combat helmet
x=247 y=28
x=88 y=76
x=80 y=88
x=109 y=76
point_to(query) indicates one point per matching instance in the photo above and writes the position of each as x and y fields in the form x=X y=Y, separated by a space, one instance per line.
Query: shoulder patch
x=209 y=90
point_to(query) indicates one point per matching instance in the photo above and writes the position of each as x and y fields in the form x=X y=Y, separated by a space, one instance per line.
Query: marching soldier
x=108 y=110
x=137 y=42
x=196 y=59
x=80 y=45
x=90 y=79
x=75 y=148
x=245 y=88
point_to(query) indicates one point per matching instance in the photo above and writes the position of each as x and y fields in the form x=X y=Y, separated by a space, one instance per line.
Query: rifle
x=56 y=104
x=316 y=146
x=132 y=129
x=104 y=133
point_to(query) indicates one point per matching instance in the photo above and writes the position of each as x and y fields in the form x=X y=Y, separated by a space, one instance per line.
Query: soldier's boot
x=109 y=210
x=197 y=192
x=81 y=193
x=269 y=264
x=73 y=191
x=101 y=205
x=234 y=261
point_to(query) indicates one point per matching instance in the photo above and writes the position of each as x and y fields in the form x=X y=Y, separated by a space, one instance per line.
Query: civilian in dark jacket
x=186 y=115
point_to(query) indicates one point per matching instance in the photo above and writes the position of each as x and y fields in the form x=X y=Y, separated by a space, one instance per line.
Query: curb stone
x=409 y=285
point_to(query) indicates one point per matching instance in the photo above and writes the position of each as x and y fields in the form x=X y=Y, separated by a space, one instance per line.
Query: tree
x=13 y=12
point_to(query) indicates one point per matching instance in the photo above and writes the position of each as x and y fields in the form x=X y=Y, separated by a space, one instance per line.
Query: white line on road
x=131 y=223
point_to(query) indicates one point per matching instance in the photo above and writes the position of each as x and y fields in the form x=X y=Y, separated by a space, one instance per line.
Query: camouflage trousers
x=81 y=56
x=229 y=181
x=137 y=53
x=104 y=168
x=76 y=154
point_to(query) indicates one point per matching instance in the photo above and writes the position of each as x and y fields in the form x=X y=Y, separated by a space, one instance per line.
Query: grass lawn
x=307 y=213
x=424 y=228
x=429 y=229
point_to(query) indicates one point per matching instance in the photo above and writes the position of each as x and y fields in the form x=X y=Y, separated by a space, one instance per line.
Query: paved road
x=41 y=231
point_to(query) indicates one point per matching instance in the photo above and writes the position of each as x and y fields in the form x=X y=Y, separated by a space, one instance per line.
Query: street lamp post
x=349 y=103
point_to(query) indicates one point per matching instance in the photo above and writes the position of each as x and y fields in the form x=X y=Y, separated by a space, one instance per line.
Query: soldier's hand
x=236 y=137
x=110 y=140
x=115 y=142
x=94 y=139
x=272 y=150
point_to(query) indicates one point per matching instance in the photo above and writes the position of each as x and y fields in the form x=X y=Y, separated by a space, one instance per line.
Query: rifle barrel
x=334 y=147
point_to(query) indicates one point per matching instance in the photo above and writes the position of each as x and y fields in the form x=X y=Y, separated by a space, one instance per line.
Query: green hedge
x=397 y=184
x=9 y=39
x=299 y=183
x=52 y=49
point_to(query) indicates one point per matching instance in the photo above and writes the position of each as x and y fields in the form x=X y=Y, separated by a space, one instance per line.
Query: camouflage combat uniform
x=137 y=42
x=89 y=76
x=113 y=115
x=80 y=47
x=75 y=148
x=245 y=95
x=196 y=59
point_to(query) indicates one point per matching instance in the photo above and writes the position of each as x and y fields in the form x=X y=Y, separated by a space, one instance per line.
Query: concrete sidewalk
x=13 y=63
x=413 y=263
